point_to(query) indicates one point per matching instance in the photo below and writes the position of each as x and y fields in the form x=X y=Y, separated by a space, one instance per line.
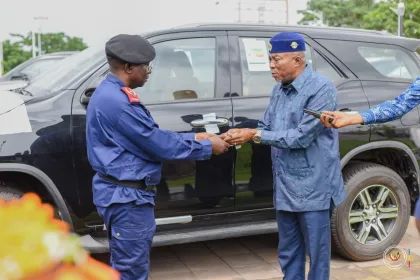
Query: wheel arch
x=45 y=181
x=408 y=169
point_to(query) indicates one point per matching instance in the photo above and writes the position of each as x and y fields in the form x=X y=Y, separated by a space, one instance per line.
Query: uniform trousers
x=301 y=233
x=131 y=229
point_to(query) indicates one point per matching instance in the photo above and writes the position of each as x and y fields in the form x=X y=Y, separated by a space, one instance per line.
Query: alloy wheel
x=373 y=214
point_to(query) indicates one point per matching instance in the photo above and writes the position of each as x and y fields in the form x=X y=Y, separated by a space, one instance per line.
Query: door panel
x=381 y=91
x=251 y=86
x=194 y=187
x=385 y=71
x=250 y=96
x=351 y=97
x=189 y=79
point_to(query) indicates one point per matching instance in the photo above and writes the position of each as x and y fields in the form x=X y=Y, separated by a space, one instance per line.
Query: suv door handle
x=348 y=111
x=345 y=110
x=201 y=123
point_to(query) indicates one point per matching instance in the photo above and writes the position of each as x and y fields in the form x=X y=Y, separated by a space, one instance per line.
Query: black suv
x=212 y=78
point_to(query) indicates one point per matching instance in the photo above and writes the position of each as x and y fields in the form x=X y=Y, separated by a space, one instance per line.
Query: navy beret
x=286 y=42
x=130 y=48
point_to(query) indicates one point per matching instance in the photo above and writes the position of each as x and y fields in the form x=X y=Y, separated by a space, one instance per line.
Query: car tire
x=364 y=237
x=10 y=191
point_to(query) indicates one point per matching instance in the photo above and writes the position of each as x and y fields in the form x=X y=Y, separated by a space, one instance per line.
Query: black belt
x=132 y=184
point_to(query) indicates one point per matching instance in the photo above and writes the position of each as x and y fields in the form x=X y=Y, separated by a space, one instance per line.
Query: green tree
x=337 y=13
x=21 y=49
x=13 y=55
x=366 y=14
x=382 y=18
x=58 y=42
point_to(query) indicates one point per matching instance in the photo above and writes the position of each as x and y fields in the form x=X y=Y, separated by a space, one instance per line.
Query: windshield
x=62 y=75
x=40 y=66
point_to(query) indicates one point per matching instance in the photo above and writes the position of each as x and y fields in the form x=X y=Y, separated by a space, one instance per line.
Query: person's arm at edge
x=391 y=109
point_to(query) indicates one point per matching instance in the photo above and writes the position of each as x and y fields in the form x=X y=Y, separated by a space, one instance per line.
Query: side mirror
x=85 y=98
x=87 y=93
x=20 y=76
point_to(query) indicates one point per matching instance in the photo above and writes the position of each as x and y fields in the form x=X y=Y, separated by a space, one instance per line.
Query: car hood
x=13 y=114
x=12 y=85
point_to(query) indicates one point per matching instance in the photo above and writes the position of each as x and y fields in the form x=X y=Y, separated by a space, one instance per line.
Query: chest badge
x=132 y=96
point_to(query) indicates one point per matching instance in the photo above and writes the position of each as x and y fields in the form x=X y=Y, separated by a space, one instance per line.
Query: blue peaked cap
x=286 y=42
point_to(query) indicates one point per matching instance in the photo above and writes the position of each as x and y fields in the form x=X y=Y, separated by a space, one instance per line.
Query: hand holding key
x=218 y=146
x=339 y=119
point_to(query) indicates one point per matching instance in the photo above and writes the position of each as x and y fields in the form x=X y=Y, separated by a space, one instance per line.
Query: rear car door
x=251 y=85
x=385 y=72
x=186 y=90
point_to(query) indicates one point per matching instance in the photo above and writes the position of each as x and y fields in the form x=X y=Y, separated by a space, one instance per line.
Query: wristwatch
x=257 y=137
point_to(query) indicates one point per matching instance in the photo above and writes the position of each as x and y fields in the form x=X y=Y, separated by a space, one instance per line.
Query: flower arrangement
x=35 y=246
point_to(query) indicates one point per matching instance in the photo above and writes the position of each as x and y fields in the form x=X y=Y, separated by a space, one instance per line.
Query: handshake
x=222 y=143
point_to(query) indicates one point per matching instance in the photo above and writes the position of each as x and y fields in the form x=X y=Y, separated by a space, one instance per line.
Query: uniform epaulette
x=132 y=96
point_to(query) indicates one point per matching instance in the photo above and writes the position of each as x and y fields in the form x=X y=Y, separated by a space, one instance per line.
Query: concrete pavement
x=255 y=257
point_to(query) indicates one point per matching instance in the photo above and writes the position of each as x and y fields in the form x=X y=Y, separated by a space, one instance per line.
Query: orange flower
x=34 y=245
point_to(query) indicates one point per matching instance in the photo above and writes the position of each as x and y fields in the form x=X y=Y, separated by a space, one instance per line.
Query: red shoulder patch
x=132 y=96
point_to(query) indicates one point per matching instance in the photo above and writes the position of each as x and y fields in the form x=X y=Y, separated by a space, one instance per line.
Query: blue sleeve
x=188 y=136
x=309 y=127
x=139 y=133
x=394 y=109
x=264 y=122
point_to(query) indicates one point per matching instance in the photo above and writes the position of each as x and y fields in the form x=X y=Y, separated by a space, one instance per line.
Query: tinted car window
x=182 y=69
x=388 y=62
x=323 y=67
x=256 y=76
x=377 y=61
x=256 y=73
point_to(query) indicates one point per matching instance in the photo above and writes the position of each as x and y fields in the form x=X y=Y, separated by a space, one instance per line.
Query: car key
x=317 y=114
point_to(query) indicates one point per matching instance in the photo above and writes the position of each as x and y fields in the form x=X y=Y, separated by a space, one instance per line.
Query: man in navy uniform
x=305 y=156
x=126 y=149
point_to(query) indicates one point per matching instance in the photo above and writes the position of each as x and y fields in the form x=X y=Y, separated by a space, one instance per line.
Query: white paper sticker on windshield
x=256 y=55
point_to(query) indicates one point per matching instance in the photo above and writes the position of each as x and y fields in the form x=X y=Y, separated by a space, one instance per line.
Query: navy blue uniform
x=125 y=143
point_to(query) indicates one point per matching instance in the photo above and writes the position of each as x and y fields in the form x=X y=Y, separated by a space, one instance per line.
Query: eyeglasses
x=149 y=67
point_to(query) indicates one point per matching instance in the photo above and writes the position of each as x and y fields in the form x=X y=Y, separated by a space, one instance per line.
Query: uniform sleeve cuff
x=188 y=136
x=266 y=137
x=207 y=148
x=368 y=116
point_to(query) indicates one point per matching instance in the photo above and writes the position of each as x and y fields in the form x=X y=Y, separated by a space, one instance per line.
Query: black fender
x=380 y=145
x=46 y=181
